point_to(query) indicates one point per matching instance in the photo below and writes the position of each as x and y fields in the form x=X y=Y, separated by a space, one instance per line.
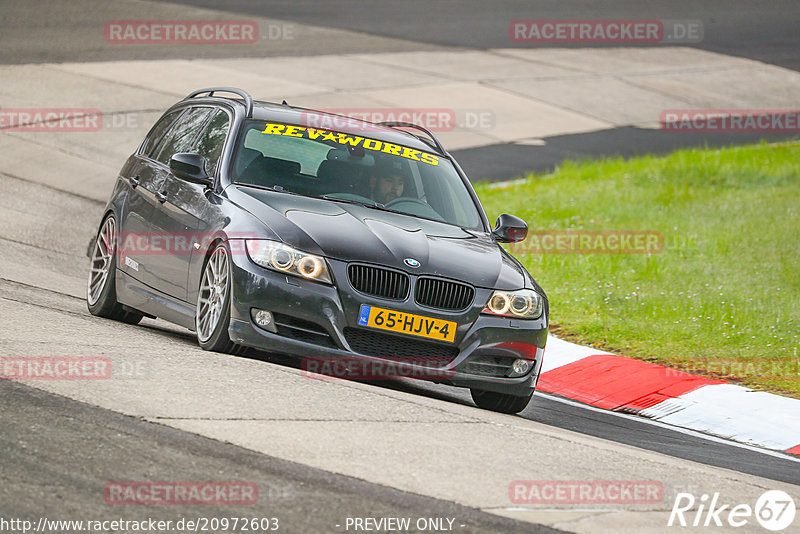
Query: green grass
x=723 y=297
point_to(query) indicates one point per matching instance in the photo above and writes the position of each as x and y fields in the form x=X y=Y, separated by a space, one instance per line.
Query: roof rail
x=395 y=124
x=248 y=100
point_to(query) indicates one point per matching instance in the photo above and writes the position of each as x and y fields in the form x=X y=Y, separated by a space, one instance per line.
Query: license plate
x=407 y=323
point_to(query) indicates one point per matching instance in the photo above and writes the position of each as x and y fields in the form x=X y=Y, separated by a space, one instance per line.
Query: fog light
x=263 y=318
x=520 y=367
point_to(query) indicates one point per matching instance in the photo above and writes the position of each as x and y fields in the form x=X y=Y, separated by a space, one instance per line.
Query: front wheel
x=213 y=313
x=500 y=402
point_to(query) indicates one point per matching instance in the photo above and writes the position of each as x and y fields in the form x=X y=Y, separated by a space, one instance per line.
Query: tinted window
x=211 y=141
x=180 y=138
x=157 y=132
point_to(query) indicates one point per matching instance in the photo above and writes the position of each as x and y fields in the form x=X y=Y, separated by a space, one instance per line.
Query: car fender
x=235 y=226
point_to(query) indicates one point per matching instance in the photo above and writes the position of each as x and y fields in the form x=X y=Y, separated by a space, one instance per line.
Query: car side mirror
x=510 y=229
x=190 y=167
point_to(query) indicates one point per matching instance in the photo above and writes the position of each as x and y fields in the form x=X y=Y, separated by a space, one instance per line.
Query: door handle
x=161 y=196
x=134 y=180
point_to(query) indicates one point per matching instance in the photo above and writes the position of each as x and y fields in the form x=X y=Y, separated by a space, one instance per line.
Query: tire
x=101 y=290
x=213 y=310
x=500 y=402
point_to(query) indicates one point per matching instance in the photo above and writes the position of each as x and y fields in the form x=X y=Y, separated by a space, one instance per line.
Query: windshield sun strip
x=350 y=141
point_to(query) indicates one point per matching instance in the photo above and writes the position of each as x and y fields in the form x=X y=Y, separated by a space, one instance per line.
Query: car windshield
x=349 y=168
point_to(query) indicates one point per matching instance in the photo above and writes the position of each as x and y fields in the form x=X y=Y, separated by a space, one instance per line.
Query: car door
x=145 y=182
x=180 y=217
x=205 y=207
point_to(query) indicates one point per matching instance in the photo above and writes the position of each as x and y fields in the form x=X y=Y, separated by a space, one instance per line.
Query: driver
x=387 y=187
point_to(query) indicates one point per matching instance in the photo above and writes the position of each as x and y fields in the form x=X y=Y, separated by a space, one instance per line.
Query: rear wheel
x=213 y=313
x=500 y=402
x=101 y=292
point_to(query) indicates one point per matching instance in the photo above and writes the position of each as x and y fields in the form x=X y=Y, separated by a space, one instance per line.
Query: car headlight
x=279 y=257
x=523 y=304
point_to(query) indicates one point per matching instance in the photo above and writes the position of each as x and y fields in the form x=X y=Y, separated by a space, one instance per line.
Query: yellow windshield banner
x=347 y=140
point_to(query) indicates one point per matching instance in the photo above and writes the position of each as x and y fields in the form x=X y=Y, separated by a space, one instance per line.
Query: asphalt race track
x=43 y=443
x=320 y=450
x=738 y=28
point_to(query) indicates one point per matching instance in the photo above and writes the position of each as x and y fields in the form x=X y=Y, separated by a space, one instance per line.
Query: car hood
x=351 y=232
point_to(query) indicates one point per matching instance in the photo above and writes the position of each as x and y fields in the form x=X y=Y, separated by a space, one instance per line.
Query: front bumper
x=481 y=341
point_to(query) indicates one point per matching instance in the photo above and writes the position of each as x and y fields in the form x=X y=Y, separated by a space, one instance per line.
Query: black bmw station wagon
x=254 y=226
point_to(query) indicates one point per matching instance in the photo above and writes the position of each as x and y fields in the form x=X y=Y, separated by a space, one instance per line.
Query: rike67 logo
x=774 y=510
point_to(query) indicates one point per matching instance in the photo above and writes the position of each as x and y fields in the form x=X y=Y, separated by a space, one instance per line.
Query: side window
x=157 y=132
x=180 y=138
x=211 y=141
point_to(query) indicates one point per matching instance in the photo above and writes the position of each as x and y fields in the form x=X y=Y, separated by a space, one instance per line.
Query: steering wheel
x=423 y=209
x=410 y=200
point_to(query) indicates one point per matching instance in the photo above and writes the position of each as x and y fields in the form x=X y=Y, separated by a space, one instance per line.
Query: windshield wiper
x=375 y=205
x=346 y=200
x=275 y=188
x=381 y=207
